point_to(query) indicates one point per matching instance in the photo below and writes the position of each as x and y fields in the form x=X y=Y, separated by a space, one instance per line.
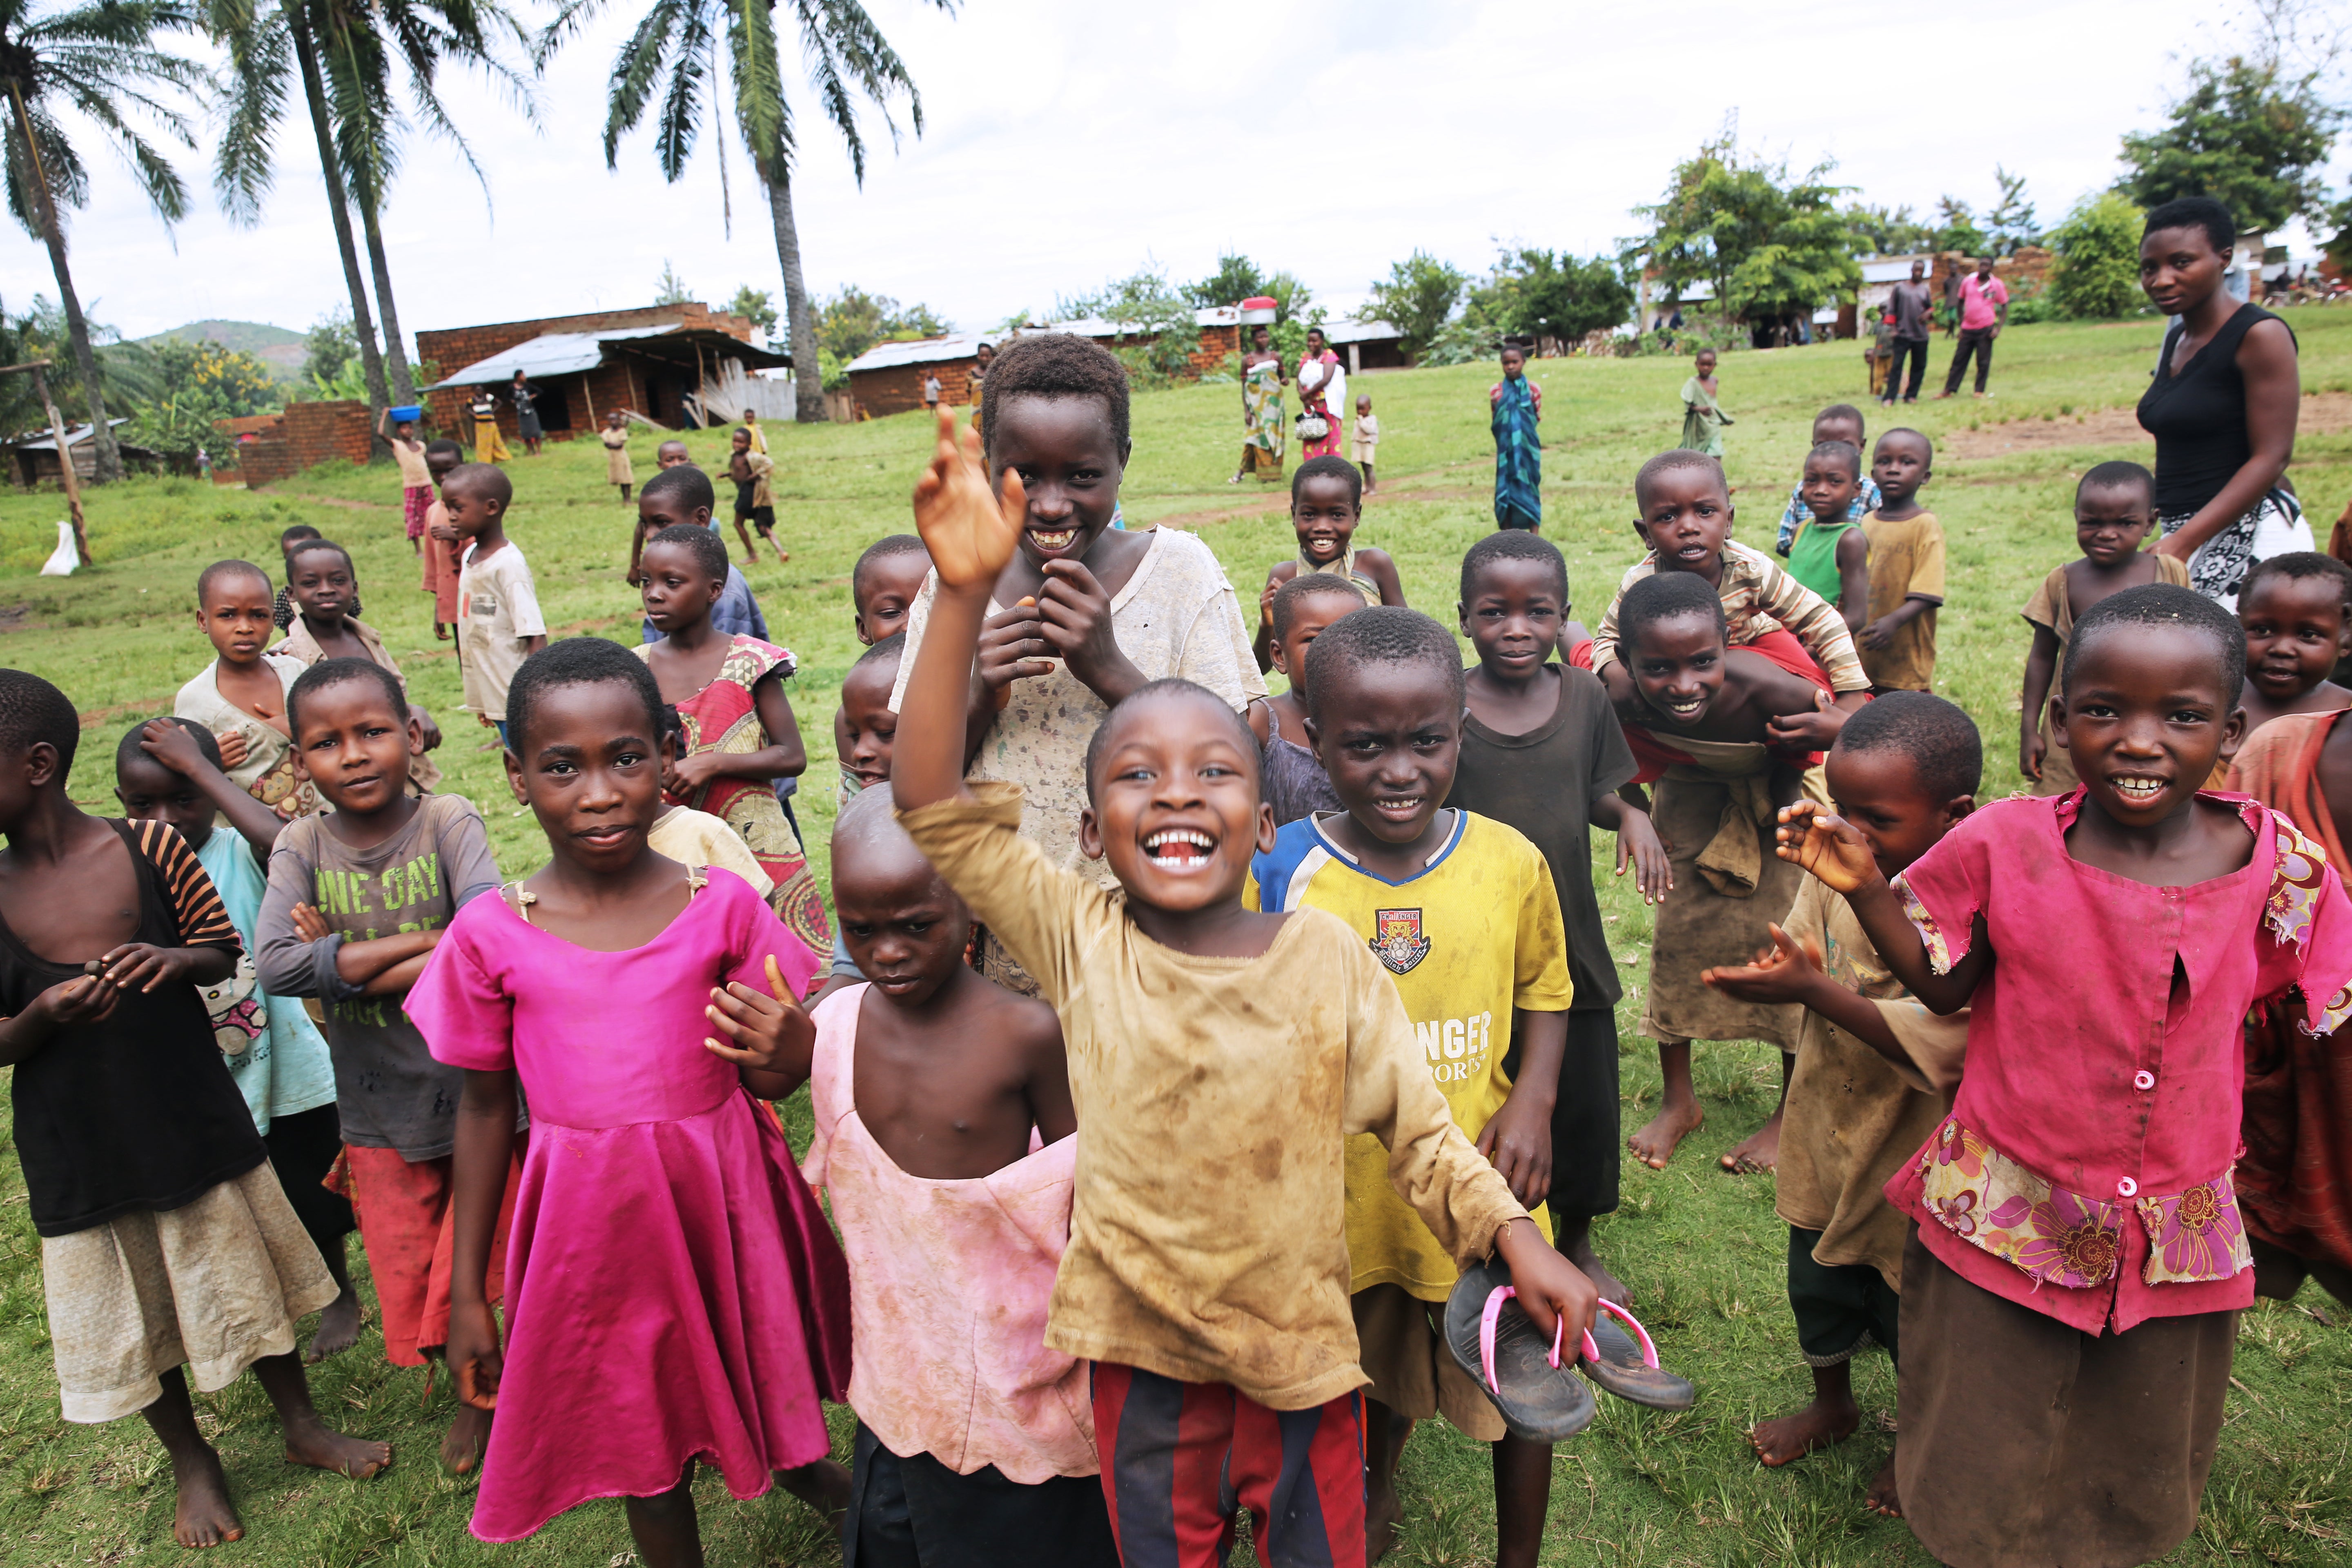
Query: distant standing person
x=931 y=391
x=1261 y=410
x=1703 y=416
x=526 y=403
x=615 y=437
x=1517 y=405
x=1984 y=310
x=1367 y=438
x=1914 y=305
x=415 y=479
x=983 y=357
x=759 y=437
x=490 y=445
x=2223 y=406
x=1322 y=393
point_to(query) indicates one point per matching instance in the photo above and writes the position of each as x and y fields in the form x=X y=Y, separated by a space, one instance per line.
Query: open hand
x=1826 y=844
x=174 y=746
x=1517 y=1141
x=1639 y=844
x=970 y=532
x=234 y=748
x=1013 y=647
x=1785 y=971
x=770 y=1034
x=1554 y=1291
x=1813 y=731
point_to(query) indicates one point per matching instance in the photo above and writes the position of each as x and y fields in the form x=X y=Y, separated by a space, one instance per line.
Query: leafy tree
x=184 y=386
x=1771 y=243
x=672 y=290
x=1416 y=297
x=2010 y=223
x=2097 y=270
x=2251 y=132
x=854 y=320
x=668 y=68
x=1157 y=329
x=1957 y=229
x=1236 y=279
x=1890 y=231
x=754 y=305
x=1532 y=292
x=328 y=347
x=99 y=63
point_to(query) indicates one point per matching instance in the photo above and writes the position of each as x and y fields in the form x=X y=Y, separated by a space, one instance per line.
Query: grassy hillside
x=1701 y=1250
x=279 y=348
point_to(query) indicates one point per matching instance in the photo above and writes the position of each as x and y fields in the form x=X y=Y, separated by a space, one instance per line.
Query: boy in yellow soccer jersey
x=1462 y=912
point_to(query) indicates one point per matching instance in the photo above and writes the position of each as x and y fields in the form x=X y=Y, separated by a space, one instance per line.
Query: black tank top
x=2199 y=417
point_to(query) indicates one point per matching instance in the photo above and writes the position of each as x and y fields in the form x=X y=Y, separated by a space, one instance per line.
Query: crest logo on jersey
x=1397 y=940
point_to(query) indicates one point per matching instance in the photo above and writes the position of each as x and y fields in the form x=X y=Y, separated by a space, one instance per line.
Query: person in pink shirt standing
x=1984 y=307
x=946 y=1138
x=2077 y=1260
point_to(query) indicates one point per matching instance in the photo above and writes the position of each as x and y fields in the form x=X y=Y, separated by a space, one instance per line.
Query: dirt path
x=2324 y=414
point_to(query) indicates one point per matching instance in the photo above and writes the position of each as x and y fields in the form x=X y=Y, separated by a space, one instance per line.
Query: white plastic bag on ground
x=65 y=558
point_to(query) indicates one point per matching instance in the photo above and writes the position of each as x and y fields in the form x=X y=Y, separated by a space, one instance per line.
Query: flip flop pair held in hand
x=1494 y=1339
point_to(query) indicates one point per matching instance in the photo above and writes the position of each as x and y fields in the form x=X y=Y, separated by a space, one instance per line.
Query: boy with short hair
x=681 y=496
x=1291 y=778
x=1208 y=1267
x=974 y=1445
x=1327 y=505
x=883 y=585
x=1906 y=568
x=326 y=586
x=1874 y=1070
x=164 y=1236
x=2294 y=611
x=1479 y=959
x=240 y=696
x=1838 y=422
x=864 y=731
x=282 y=609
x=673 y=452
x=932 y=391
x=499 y=622
x=1542 y=753
x=755 y=502
x=1365 y=440
x=1830 y=552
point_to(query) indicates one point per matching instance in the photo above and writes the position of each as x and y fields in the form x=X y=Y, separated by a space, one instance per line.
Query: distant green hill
x=281 y=350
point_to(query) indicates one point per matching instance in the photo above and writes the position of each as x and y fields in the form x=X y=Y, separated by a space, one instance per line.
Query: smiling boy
x=2294 y=611
x=1327 y=496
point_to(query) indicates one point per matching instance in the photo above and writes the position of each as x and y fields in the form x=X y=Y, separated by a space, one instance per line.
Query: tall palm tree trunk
x=314 y=89
x=108 y=458
x=404 y=384
x=799 y=323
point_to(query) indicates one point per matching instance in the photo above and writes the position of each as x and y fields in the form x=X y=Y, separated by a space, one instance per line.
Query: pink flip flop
x=1630 y=1369
x=1492 y=1338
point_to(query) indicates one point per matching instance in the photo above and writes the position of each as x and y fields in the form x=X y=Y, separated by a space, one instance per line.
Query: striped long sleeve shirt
x=1757 y=598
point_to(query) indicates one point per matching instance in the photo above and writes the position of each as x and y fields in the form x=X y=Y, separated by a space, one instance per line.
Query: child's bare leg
x=823 y=1484
x=1760 y=1150
x=469 y=1436
x=1574 y=1239
x=782 y=554
x=1522 y=1494
x=203 y=1516
x=664 y=1527
x=1368 y=484
x=1884 y=1499
x=309 y=1440
x=1832 y=1418
x=1384 y=1435
x=624 y=495
x=339 y=1325
x=743 y=532
x=1678 y=1113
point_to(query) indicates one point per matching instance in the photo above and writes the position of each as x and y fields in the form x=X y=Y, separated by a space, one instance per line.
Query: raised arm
x=171 y=745
x=972 y=534
x=1830 y=848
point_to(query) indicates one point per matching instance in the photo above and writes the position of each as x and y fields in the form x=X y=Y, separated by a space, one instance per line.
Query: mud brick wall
x=322 y=432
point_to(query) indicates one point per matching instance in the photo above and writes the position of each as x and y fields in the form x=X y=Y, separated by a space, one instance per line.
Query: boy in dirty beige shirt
x=1219 y=1058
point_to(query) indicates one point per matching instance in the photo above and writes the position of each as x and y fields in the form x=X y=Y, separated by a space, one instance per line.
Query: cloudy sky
x=1067 y=142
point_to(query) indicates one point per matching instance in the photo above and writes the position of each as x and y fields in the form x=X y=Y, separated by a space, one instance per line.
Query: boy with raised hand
x=499 y=623
x=1874 y=1068
x=1906 y=568
x=1219 y=1057
x=1838 y=422
x=1461 y=912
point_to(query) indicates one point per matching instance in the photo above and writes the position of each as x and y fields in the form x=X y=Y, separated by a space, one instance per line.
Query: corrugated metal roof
x=922 y=350
x=1892 y=268
x=550 y=354
x=1359 y=329
x=75 y=435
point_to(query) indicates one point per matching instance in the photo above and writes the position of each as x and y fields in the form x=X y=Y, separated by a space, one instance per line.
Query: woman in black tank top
x=2222 y=405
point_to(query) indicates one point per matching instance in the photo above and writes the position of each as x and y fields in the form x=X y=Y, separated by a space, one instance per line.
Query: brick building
x=267 y=446
x=889 y=377
x=660 y=362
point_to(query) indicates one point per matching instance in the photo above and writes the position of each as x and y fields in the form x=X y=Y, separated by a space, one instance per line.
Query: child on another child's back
x=499 y=623
x=165 y=1237
x=1830 y=552
x=1291 y=777
x=975 y=1446
x=1906 y=568
x=240 y=696
x=1838 y=422
x=2115 y=506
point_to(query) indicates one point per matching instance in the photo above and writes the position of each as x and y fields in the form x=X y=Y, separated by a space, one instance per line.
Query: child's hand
x=310 y=925
x=970 y=532
x=1785 y=971
x=234 y=748
x=171 y=745
x=134 y=962
x=1879 y=633
x=443 y=532
x=771 y=1034
x=473 y=1354
x=1266 y=603
x=1638 y=841
x=1813 y=731
x=1826 y=844
x=1075 y=619
x=1013 y=647
x=84 y=999
x=2030 y=749
x=1517 y=1141
x=1552 y=1290
x=431 y=731
x=689 y=773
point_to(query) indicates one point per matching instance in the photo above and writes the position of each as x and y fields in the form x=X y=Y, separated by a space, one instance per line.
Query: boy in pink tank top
x=946 y=1140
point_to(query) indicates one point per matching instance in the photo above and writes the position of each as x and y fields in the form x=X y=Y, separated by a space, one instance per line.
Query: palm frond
x=260 y=65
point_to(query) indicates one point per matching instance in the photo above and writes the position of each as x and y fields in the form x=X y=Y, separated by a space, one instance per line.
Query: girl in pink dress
x=673 y=1291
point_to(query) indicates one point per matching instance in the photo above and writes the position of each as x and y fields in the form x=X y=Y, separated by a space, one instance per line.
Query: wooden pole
x=65 y=453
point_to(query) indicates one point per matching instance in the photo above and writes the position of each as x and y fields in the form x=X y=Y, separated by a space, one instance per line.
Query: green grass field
x=1701 y=1250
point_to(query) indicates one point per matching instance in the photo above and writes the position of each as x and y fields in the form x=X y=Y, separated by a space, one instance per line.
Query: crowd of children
x=1197 y=1071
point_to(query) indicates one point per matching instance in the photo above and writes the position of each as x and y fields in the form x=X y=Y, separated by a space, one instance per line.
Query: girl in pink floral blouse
x=2077 y=1262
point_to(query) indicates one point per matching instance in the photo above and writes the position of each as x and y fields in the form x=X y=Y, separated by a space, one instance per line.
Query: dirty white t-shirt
x=498 y=608
x=1176 y=617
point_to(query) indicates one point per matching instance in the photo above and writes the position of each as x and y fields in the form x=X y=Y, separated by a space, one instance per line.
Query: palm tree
x=97 y=61
x=672 y=55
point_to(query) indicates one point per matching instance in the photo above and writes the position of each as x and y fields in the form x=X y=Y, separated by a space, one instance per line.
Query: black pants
x=302 y=1150
x=1586 y=1148
x=1842 y=1308
x=1977 y=340
x=1917 y=349
x=917 y=1513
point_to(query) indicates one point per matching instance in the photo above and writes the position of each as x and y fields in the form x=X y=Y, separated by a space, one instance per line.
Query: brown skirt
x=1699 y=927
x=2026 y=1442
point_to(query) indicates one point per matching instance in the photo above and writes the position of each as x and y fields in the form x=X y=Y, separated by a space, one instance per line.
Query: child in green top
x=1830 y=553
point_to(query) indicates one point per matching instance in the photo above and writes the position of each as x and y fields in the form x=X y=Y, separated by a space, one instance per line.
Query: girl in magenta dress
x=673 y=1291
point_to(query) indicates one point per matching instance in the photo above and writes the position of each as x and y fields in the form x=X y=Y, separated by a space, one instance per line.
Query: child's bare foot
x=320 y=1446
x=1655 y=1144
x=823 y=1485
x=441 y=631
x=1612 y=1289
x=1785 y=1439
x=204 y=1515
x=339 y=1328
x=1882 y=1498
x=1381 y=1514
x=1756 y=1153
x=468 y=1434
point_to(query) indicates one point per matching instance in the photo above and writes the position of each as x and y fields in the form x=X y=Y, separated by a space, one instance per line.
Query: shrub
x=2097 y=272
x=1415 y=298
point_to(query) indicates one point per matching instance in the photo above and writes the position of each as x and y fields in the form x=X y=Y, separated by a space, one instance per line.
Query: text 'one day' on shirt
x=1473 y=935
x=389 y=1091
x=498 y=608
x=1543 y=783
x=1214 y=1096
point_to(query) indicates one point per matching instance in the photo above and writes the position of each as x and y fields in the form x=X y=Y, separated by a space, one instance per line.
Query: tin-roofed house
x=889 y=377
